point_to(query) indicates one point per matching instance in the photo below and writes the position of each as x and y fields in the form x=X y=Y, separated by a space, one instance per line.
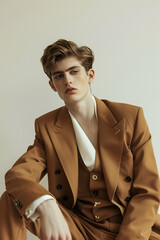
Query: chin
x=72 y=99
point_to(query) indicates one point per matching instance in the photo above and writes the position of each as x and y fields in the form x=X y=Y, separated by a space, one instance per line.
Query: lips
x=68 y=90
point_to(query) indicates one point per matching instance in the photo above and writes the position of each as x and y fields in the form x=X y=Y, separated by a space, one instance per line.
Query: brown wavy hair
x=63 y=48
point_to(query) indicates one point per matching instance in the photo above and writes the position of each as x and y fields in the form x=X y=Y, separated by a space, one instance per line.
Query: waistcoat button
x=65 y=198
x=97 y=203
x=128 y=179
x=59 y=187
x=58 y=171
x=94 y=177
x=96 y=217
x=95 y=193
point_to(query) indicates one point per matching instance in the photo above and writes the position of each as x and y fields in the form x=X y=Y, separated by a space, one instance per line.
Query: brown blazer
x=126 y=153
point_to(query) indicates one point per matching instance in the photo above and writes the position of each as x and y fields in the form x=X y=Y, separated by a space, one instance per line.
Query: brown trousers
x=13 y=226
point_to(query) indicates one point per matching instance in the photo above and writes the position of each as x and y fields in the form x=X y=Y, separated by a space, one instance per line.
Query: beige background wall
x=125 y=37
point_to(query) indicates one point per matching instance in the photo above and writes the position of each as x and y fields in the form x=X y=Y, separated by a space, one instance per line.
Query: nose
x=67 y=78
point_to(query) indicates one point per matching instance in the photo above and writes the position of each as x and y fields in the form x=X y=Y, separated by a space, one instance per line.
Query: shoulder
x=123 y=110
x=135 y=121
x=52 y=115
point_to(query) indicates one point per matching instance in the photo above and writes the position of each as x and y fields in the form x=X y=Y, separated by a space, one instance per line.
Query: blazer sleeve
x=22 y=180
x=145 y=193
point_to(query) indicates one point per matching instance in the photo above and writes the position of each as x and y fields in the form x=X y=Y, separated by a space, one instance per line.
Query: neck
x=83 y=110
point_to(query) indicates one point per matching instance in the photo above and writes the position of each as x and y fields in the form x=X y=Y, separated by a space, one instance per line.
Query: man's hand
x=53 y=223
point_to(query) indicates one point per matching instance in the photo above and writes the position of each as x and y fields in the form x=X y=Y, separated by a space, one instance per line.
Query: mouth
x=70 y=90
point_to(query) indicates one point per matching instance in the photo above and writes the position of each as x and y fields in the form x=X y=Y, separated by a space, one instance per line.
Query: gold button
x=97 y=203
x=96 y=217
x=94 y=177
x=27 y=212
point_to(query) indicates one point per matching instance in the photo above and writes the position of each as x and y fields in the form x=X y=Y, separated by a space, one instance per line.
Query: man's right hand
x=53 y=223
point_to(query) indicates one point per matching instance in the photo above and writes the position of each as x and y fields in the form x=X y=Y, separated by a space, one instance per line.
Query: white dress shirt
x=87 y=152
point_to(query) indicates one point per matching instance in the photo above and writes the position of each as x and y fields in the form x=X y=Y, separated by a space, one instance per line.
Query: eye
x=58 y=76
x=74 y=72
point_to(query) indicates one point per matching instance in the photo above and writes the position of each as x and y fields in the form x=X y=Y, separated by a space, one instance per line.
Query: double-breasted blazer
x=127 y=159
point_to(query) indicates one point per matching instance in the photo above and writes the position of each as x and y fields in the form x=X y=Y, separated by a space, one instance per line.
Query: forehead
x=66 y=63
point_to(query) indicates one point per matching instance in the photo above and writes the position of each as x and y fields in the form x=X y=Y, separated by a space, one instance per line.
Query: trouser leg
x=155 y=235
x=11 y=223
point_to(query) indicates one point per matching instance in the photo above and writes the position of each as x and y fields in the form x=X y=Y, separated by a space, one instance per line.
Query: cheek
x=84 y=81
x=57 y=85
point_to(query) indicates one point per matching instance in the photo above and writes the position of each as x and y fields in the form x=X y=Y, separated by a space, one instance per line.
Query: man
x=102 y=174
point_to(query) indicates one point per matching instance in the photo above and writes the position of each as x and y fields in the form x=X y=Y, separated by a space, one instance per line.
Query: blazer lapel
x=63 y=138
x=111 y=135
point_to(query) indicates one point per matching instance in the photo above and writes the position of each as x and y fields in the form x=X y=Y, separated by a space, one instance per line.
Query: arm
x=22 y=180
x=22 y=184
x=142 y=209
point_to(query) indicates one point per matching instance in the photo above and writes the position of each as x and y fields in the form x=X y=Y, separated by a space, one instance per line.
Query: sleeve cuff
x=30 y=211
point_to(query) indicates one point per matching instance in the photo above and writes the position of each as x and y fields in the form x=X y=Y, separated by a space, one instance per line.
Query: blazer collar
x=103 y=112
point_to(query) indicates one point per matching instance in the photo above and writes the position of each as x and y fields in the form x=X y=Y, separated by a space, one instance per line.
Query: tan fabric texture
x=125 y=149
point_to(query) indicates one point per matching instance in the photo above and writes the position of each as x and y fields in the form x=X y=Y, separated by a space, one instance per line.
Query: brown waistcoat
x=93 y=201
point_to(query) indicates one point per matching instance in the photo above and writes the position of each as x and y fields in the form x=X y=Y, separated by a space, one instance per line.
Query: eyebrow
x=58 y=72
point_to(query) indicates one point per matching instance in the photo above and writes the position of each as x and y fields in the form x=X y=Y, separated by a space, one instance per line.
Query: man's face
x=70 y=80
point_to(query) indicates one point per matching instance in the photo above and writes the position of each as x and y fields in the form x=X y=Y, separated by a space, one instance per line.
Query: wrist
x=44 y=206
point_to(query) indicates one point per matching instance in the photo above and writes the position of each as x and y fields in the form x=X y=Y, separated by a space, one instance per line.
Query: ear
x=91 y=75
x=52 y=85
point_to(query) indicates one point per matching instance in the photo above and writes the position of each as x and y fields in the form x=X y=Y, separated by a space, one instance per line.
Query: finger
x=69 y=237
